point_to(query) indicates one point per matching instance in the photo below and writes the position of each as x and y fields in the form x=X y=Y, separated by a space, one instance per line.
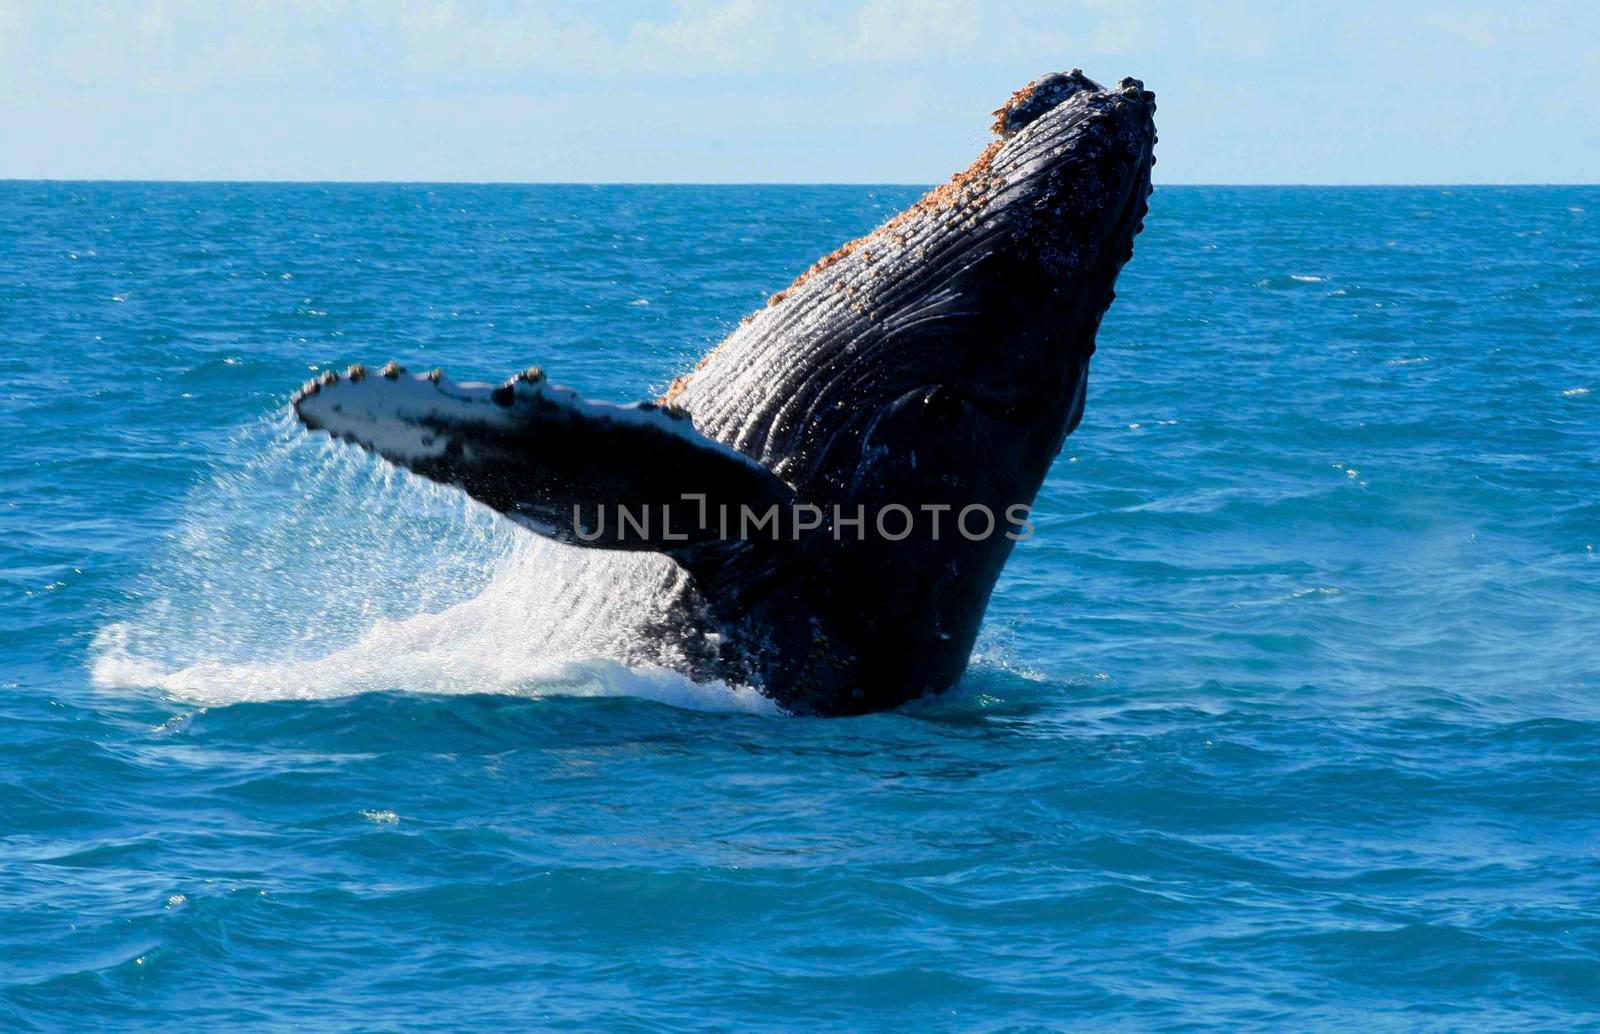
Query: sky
x=837 y=91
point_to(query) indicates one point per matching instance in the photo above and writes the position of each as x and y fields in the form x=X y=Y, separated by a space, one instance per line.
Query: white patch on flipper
x=389 y=416
x=407 y=418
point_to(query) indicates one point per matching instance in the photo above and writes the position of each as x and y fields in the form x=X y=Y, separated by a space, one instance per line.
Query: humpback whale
x=840 y=480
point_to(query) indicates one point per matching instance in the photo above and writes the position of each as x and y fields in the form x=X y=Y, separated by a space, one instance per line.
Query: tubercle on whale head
x=1067 y=153
x=1036 y=98
x=1129 y=103
x=973 y=324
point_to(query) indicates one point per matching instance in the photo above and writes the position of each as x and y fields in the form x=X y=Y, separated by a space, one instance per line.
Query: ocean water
x=1288 y=716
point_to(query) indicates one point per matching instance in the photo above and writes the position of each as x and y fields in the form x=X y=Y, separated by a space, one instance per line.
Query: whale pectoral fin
x=634 y=477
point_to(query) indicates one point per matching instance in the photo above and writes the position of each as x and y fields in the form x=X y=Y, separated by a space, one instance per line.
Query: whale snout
x=1064 y=105
x=1049 y=92
x=1073 y=166
x=1066 y=129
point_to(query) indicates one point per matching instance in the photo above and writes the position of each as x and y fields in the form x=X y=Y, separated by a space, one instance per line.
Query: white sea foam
x=309 y=570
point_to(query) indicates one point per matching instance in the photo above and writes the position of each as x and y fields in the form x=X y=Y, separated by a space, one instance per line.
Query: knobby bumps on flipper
x=637 y=477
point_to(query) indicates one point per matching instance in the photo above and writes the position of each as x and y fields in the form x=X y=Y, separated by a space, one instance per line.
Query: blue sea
x=1287 y=717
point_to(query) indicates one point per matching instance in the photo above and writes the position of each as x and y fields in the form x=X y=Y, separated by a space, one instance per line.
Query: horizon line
x=726 y=183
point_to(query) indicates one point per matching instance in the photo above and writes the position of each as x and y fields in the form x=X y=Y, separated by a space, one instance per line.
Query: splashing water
x=306 y=570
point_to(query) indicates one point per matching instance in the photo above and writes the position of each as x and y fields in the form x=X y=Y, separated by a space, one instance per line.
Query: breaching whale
x=841 y=479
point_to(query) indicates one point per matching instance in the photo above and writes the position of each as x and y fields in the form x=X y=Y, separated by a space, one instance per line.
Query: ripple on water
x=1285 y=717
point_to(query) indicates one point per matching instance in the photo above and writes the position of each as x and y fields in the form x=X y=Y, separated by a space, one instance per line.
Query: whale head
x=1071 y=182
x=964 y=323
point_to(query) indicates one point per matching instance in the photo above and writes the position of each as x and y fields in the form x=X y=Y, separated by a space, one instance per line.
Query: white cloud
x=169 y=45
x=1120 y=26
x=156 y=45
x=439 y=35
x=1234 y=29
x=901 y=30
x=707 y=37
